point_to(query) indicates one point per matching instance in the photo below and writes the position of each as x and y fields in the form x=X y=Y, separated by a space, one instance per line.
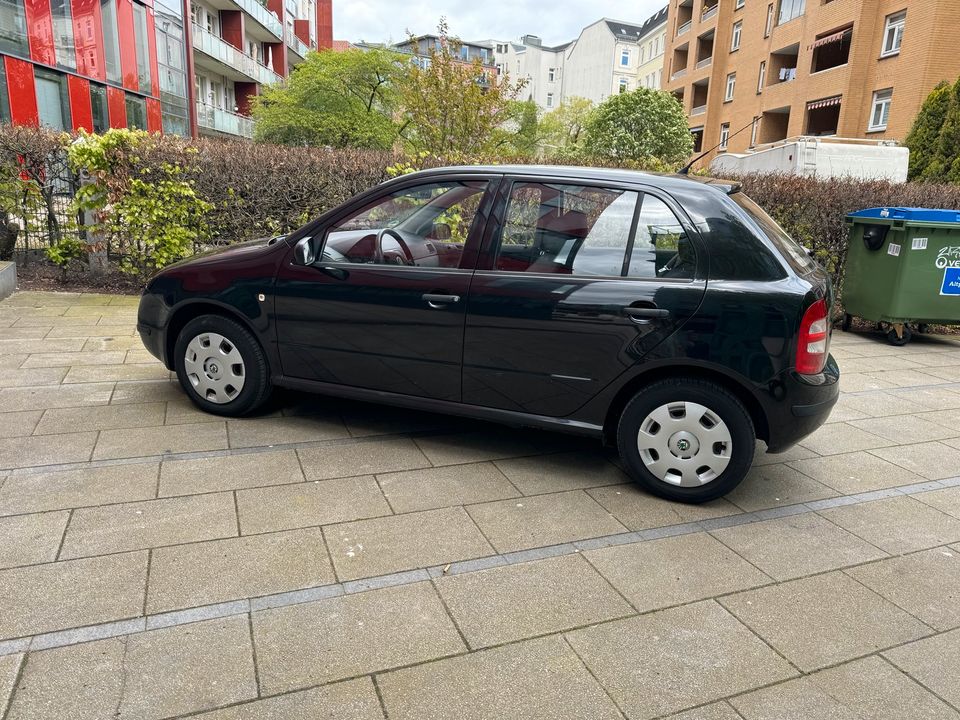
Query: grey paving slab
x=229 y=472
x=797 y=545
x=303 y=645
x=14 y=377
x=856 y=472
x=260 y=432
x=30 y=346
x=90 y=330
x=947 y=418
x=12 y=361
x=897 y=525
x=429 y=488
x=934 y=662
x=824 y=619
x=319 y=502
x=490 y=444
x=365 y=458
x=861 y=382
x=160 y=440
x=55 y=596
x=71 y=359
x=836 y=438
x=671 y=571
x=561 y=471
x=714 y=711
x=905 y=429
x=146 y=391
x=674 y=659
x=931 y=460
x=925 y=584
x=46 y=450
x=533 y=680
x=510 y=603
x=946 y=500
x=148 y=524
x=18 y=424
x=378 y=546
x=367 y=419
x=9 y=669
x=220 y=570
x=769 y=486
x=36 y=492
x=864 y=689
x=106 y=417
x=348 y=700
x=882 y=403
x=762 y=457
x=931 y=398
x=29 y=539
x=638 y=510
x=180 y=410
x=98 y=342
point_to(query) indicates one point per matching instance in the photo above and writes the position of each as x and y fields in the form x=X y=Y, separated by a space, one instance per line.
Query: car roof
x=666 y=181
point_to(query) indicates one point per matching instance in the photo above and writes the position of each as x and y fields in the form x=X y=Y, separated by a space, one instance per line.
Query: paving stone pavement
x=330 y=559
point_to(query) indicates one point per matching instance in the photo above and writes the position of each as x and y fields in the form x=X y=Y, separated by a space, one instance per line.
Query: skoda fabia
x=667 y=315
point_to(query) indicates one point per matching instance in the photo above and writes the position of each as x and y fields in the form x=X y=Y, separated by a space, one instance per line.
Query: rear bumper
x=805 y=405
x=154 y=340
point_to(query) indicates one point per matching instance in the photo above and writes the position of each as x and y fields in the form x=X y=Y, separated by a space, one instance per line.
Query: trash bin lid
x=928 y=215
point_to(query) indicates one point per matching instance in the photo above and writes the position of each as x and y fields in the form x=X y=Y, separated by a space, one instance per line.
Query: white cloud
x=556 y=21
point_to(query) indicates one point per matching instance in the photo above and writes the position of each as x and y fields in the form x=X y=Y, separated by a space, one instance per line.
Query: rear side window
x=791 y=250
x=591 y=231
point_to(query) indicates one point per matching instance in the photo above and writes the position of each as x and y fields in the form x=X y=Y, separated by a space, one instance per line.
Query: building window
x=484 y=55
x=754 y=131
x=768 y=28
x=762 y=77
x=136 y=112
x=4 y=97
x=724 y=135
x=549 y=100
x=53 y=103
x=832 y=50
x=643 y=53
x=790 y=9
x=464 y=53
x=625 y=84
x=737 y=32
x=731 y=86
x=880 y=114
x=111 y=39
x=552 y=74
x=65 y=50
x=142 y=43
x=13 y=28
x=893 y=35
x=740 y=4
x=98 y=104
x=625 y=57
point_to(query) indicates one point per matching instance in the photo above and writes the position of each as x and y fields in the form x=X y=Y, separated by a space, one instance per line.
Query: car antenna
x=685 y=170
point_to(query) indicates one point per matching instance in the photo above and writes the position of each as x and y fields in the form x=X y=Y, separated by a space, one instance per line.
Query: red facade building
x=160 y=65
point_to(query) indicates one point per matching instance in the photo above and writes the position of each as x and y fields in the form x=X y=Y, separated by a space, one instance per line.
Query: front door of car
x=376 y=299
x=575 y=284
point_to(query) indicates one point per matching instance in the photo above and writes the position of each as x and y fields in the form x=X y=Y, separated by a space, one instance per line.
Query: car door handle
x=646 y=312
x=439 y=300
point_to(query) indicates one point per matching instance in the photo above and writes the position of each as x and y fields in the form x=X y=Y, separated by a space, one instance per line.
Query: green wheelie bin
x=903 y=269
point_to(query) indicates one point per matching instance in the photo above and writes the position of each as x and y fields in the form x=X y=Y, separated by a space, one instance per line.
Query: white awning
x=826 y=102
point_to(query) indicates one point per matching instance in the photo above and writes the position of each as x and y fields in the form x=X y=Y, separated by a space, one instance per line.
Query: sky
x=556 y=21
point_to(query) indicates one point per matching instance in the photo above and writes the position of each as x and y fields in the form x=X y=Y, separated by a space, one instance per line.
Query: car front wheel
x=686 y=439
x=221 y=366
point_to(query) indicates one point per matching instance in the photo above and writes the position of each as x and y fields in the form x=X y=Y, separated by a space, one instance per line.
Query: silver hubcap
x=685 y=444
x=214 y=367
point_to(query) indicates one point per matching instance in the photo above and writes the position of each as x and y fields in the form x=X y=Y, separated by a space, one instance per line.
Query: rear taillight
x=814 y=339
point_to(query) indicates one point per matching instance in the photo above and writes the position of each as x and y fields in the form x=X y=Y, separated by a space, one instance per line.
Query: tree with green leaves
x=934 y=139
x=520 y=134
x=644 y=126
x=563 y=130
x=454 y=109
x=340 y=99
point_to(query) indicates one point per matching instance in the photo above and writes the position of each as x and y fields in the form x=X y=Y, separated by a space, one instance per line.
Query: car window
x=794 y=253
x=566 y=229
x=424 y=226
x=661 y=247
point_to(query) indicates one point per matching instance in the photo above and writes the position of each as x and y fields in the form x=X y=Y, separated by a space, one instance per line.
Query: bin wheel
x=845 y=323
x=923 y=328
x=899 y=340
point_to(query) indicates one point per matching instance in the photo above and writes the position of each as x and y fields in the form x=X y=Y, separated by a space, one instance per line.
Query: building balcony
x=699 y=110
x=709 y=12
x=295 y=44
x=270 y=22
x=678 y=74
x=229 y=61
x=684 y=28
x=221 y=121
x=704 y=63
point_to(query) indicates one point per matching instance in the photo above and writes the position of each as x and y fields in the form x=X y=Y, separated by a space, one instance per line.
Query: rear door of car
x=577 y=281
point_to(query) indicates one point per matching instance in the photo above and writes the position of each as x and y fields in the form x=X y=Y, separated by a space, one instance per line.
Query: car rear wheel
x=221 y=366
x=686 y=439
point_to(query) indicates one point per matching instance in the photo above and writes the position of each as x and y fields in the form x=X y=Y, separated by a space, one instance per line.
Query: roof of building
x=632 y=31
x=341 y=45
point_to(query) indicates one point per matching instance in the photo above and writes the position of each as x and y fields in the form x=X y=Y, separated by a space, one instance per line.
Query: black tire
x=256 y=386
x=846 y=322
x=712 y=396
x=899 y=340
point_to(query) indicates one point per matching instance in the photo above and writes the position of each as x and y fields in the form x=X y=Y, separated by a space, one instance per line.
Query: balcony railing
x=709 y=12
x=295 y=43
x=213 y=118
x=263 y=16
x=704 y=63
x=221 y=50
x=683 y=28
x=678 y=74
x=699 y=110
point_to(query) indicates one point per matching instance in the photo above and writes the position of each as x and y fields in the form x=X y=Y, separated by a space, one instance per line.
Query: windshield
x=794 y=253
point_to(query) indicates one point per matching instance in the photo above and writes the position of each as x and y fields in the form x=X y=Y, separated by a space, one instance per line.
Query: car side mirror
x=440 y=231
x=304 y=253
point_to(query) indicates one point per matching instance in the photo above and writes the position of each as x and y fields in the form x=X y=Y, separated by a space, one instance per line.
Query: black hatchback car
x=668 y=315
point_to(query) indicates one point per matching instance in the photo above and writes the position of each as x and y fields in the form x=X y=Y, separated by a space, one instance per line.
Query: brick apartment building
x=784 y=68
x=179 y=66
